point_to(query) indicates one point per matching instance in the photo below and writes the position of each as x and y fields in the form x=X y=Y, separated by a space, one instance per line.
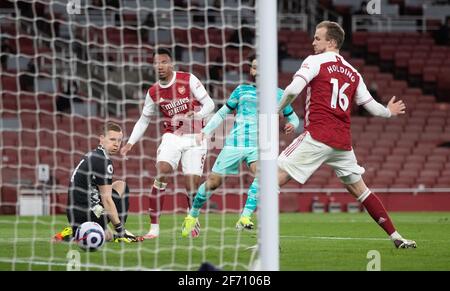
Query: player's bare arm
x=108 y=203
x=111 y=211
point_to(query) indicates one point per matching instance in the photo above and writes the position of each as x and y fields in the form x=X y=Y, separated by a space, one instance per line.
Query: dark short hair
x=162 y=51
x=334 y=32
x=110 y=125
x=251 y=57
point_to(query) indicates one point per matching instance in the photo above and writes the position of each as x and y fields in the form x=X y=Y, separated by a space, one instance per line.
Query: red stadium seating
x=399 y=152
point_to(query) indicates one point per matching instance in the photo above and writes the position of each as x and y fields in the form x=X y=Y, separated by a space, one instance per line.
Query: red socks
x=376 y=209
x=156 y=204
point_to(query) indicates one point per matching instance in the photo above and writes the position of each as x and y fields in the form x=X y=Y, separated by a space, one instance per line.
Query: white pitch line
x=324 y=238
x=44 y=263
x=25 y=239
x=331 y=237
x=40 y=239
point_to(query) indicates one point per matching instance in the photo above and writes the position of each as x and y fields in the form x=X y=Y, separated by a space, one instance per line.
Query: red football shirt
x=174 y=100
x=333 y=84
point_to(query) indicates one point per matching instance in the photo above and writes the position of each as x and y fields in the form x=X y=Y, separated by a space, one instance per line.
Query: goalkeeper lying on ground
x=93 y=196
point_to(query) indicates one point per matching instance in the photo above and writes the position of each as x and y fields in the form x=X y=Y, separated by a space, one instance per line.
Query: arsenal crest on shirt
x=181 y=90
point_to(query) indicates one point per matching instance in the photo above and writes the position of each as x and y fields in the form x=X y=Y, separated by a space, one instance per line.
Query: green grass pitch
x=307 y=242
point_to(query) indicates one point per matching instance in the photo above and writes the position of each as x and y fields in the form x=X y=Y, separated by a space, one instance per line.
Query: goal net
x=69 y=66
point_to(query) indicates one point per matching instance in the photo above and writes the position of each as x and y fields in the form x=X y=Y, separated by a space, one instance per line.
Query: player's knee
x=126 y=190
x=212 y=185
x=164 y=169
x=350 y=179
x=213 y=182
x=253 y=167
x=121 y=187
x=283 y=177
x=192 y=182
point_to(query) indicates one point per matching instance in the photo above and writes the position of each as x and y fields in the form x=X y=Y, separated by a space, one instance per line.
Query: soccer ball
x=90 y=236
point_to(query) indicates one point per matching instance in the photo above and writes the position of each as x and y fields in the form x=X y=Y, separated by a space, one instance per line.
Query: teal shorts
x=230 y=158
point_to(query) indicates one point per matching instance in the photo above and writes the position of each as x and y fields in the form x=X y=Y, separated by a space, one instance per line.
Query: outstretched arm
x=213 y=123
x=393 y=108
x=139 y=128
x=217 y=119
x=291 y=92
x=141 y=125
x=220 y=115
x=308 y=71
x=364 y=98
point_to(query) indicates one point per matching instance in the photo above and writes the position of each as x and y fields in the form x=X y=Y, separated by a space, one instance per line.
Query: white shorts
x=305 y=155
x=175 y=147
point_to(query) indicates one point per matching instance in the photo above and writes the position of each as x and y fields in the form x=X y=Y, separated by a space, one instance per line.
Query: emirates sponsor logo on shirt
x=176 y=107
x=175 y=104
x=181 y=90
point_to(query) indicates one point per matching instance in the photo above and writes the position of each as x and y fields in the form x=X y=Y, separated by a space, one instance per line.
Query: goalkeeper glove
x=121 y=239
x=124 y=235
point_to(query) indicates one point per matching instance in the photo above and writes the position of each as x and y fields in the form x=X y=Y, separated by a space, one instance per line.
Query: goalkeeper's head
x=111 y=137
x=162 y=63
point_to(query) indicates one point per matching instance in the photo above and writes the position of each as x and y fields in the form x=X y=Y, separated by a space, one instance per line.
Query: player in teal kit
x=240 y=145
